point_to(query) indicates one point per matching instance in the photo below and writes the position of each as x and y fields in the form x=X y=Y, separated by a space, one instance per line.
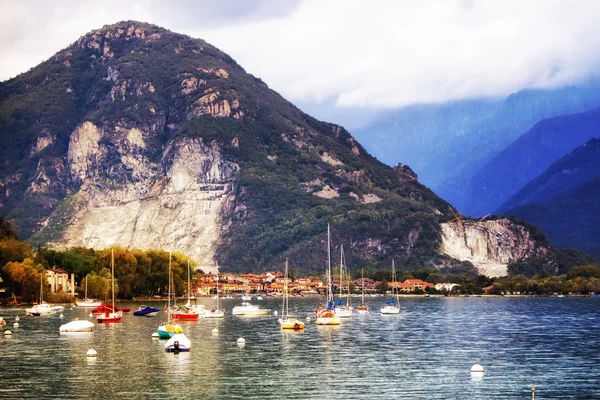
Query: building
x=59 y=280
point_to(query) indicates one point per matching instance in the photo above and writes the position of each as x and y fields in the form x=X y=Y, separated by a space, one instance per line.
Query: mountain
x=564 y=200
x=528 y=157
x=141 y=137
x=447 y=144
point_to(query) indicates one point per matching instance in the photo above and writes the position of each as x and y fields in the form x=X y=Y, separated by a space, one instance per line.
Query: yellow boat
x=286 y=321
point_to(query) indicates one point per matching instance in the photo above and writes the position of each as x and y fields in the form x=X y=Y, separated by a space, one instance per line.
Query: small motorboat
x=178 y=342
x=76 y=326
x=41 y=309
x=249 y=310
x=145 y=311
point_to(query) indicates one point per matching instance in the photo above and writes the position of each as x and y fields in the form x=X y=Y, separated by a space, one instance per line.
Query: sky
x=346 y=59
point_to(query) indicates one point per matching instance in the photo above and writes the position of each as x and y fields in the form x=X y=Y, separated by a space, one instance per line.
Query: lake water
x=425 y=352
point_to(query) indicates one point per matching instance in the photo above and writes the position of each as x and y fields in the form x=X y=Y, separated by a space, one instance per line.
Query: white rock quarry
x=172 y=206
x=489 y=245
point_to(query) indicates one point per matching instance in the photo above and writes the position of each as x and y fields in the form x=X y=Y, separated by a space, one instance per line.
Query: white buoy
x=274 y=312
x=61 y=316
x=477 y=371
x=91 y=315
x=241 y=341
x=7 y=333
x=17 y=318
x=308 y=318
x=154 y=335
x=215 y=331
x=477 y=368
x=91 y=353
x=16 y=324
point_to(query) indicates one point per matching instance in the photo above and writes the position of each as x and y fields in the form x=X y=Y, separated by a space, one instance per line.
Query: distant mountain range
x=449 y=144
x=564 y=200
x=527 y=157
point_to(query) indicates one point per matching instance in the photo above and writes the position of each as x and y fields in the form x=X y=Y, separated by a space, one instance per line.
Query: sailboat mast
x=394 y=291
x=341 y=268
x=169 y=293
x=217 y=286
x=189 y=287
x=112 y=262
x=329 y=293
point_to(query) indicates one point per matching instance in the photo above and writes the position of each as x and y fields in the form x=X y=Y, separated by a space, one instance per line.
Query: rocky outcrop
x=404 y=173
x=173 y=204
x=489 y=245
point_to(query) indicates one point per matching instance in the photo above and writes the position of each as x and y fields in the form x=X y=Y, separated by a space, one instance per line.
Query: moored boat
x=247 y=309
x=146 y=311
x=77 y=326
x=168 y=329
x=327 y=316
x=187 y=312
x=216 y=311
x=392 y=306
x=88 y=302
x=287 y=321
x=111 y=316
x=178 y=342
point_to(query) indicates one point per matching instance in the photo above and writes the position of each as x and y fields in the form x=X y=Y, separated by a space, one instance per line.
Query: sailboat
x=88 y=302
x=43 y=308
x=341 y=310
x=187 y=312
x=392 y=306
x=115 y=315
x=286 y=321
x=327 y=316
x=168 y=329
x=363 y=309
x=215 y=312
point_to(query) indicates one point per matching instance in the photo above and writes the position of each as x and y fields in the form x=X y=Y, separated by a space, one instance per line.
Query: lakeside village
x=269 y=284
x=272 y=283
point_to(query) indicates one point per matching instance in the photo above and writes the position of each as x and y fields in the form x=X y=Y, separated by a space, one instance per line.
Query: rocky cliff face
x=140 y=137
x=175 y=203
x=489 y=245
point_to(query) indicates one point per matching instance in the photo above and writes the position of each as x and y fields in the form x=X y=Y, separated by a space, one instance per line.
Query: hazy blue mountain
x=570 y=219
x=528 y=157
x=447 y=144
x=579 y=167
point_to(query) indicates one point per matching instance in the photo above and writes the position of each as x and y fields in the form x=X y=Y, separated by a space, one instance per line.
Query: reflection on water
x=424 y=352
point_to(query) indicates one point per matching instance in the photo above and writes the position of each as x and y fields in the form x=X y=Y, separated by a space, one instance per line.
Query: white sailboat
x=216 y=311
x=168 y=329
x=88 y=302
x=392 y=306
x=43 y=308
x=286 y=321
x=343 y=311
x=327 y=316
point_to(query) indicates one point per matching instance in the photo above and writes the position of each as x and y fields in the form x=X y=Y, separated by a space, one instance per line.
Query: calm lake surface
x=426 y=352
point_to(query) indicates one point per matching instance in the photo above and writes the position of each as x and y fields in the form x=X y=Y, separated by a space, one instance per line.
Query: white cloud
x=359 y=53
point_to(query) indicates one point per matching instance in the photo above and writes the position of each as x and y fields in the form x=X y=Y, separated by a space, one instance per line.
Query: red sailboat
x=187 y=312
x=111 y=314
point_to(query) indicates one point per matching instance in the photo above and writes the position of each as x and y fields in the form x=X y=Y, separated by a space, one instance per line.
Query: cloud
x=376 y=54
x=393 y=53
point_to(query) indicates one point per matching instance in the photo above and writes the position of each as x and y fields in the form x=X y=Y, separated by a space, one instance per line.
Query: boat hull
x=147 y=312
x=110 y=318
x=186 y=316
x=390 y=310
x=343 y=313
x=214 y=314
x=88 y=303
x=178 y=343
x=167 y=331
x=327 y=317
x=291 y=323
x=77 y=326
